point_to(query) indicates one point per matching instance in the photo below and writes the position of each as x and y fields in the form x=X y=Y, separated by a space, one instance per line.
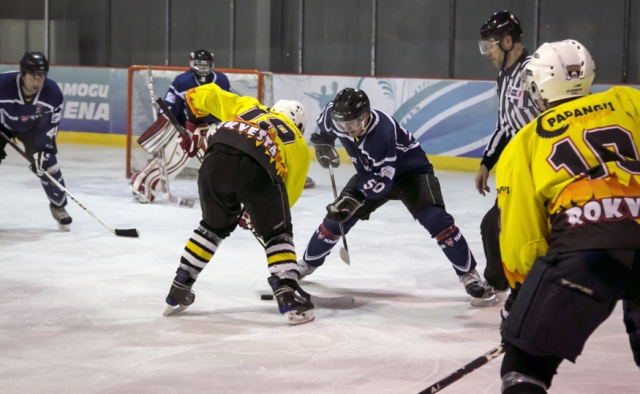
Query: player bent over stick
x=258 y=159
x=390 y=165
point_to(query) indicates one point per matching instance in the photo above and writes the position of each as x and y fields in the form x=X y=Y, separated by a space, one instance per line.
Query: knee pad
x=435 y=219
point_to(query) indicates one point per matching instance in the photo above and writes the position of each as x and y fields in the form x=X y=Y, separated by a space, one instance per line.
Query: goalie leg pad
x=149 y=184
x=157 y=135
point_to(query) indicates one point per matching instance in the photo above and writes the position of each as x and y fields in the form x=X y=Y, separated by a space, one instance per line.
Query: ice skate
x=475 y=286
x=495 y=297
x=304 y=269
x=61 y=216
x=180 y=296
x=295 y=308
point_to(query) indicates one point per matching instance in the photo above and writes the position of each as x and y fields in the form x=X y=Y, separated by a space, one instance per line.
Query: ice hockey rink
x=81 y=312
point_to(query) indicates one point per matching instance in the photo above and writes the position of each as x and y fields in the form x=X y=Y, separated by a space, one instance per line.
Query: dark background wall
x=413 y=38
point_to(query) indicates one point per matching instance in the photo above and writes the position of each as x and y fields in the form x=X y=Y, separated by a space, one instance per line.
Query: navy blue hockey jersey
x=41 y=112
x=179 y=87
x=382 y=155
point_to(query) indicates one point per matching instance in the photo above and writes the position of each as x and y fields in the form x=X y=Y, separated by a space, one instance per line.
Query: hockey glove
x=506 y=308
x=38 y=166
x=197 y=134
x=245 y=221
x=345 y=206
x=325 y=151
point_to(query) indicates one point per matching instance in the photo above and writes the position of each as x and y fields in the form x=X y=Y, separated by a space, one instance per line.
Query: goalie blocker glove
x=345 y=206
x=325 y=150
x=197 y=134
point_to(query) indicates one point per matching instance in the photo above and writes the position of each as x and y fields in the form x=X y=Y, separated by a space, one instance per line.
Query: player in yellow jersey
x=256 y=158
x=569 y=197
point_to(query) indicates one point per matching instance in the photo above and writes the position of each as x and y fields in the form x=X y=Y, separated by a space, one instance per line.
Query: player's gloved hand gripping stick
x=328 y=158
x=37 y=168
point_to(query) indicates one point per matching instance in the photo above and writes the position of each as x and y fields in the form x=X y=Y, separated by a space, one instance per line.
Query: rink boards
x=452 y=119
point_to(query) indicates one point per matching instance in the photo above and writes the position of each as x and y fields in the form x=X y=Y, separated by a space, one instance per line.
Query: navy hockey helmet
x=350 y=104
x=500 y=24
x=201 y=63
x=34 y=63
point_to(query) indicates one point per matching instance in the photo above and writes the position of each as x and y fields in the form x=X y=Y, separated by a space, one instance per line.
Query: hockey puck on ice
x=266 y=297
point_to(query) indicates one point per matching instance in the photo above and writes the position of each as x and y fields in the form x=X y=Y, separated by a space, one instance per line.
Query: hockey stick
x=472 y=366
x=344 y=251
x=175 y=123
x=129 y=232
x=160 y=153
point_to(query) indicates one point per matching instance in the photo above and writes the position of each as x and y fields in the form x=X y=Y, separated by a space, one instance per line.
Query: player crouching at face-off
x=256 y=158
x=390 y=165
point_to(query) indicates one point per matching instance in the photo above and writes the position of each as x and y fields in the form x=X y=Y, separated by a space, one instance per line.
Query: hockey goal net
x=140 y=113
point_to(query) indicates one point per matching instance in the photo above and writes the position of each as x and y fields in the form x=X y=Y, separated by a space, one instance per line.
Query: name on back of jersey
x=553 y=123
x=605 y=209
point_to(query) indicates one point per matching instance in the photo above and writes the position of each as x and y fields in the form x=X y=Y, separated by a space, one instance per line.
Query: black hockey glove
x=506 y=308
x=345 y=206
x=38 y=166
x=325 y=151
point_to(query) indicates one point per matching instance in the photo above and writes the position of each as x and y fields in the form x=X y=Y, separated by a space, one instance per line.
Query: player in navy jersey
x=30 y=110
x=390 y=165
x=161 y=139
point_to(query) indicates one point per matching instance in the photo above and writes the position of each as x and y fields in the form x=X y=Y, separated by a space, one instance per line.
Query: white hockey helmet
x=559 y=70
x=294 y=110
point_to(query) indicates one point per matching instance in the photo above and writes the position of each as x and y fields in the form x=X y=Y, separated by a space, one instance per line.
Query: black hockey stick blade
x=472 y=366
x=127 y=232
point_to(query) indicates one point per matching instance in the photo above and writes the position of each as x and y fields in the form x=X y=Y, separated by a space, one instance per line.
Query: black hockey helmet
x=500 y=24
x=350 y=104
x=201 y=63
x=34 y=63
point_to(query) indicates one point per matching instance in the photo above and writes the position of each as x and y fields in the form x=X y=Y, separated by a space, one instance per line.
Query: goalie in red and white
x=161 y=138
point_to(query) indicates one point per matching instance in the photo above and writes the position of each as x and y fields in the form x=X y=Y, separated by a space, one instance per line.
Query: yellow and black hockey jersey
x=570 y=180
x=269 y=137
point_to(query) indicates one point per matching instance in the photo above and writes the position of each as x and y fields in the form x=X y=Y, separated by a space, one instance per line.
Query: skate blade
x=64 y=227
x=498 y=298
x=294 y=319
x=172 y=310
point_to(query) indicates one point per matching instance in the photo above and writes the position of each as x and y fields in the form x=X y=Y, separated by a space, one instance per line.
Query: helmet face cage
x=202 y=62
x=34 y=63
x=558 y=71
x=350 y=104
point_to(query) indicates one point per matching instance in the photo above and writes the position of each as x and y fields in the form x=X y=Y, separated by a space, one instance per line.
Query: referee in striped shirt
x=500 y=41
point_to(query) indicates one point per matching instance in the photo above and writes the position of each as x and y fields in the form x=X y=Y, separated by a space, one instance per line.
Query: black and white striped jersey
x=516 y=109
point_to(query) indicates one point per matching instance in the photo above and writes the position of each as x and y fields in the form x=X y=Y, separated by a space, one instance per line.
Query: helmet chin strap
x=506 y=52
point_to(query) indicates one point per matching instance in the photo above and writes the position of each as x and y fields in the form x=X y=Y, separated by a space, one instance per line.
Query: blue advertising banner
x=448 y=117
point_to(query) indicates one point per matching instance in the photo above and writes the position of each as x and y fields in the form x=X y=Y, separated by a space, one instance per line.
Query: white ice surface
x=81 y=312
